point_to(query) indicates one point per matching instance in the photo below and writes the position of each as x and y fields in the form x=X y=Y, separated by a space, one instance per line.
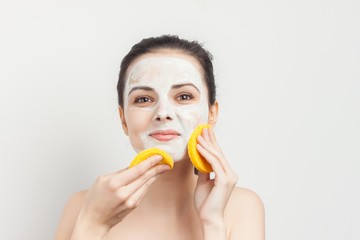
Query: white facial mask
x=161 y=73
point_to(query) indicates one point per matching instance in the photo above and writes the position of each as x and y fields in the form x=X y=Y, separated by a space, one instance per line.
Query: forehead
x=168 y=63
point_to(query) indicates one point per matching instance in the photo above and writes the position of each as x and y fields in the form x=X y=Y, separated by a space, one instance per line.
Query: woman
x=166 y=88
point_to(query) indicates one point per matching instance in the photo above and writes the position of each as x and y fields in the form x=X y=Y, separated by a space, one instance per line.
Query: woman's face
x=165 y=98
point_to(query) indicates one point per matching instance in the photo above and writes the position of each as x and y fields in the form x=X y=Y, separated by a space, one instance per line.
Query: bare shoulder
x=246 y=215
x=69 y=215
x=245 y=198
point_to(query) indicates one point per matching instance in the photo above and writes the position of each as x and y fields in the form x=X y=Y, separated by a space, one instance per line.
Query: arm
x=247 y=215
x=69 y=216
x=212 y=195
x=215 y=196
x=111 y=198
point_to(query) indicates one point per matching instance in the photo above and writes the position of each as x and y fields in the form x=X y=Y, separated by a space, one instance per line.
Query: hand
x=114 y=196
x=212 y=195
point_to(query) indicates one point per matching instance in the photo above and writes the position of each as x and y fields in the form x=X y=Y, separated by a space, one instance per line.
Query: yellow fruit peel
x=145 y=154
x=197 y=160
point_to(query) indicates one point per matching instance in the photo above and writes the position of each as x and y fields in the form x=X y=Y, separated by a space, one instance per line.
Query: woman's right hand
x=114 y=196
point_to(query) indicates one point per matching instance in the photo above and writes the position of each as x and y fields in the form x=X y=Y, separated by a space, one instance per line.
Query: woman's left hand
x=212 y=195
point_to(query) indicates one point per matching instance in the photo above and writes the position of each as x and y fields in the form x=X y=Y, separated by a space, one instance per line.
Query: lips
x=164 y=135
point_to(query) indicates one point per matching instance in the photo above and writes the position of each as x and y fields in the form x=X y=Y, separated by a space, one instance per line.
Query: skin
x=163 y=93
x=148 y=201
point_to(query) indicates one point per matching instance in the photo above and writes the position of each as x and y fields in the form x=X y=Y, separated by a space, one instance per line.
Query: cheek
x=137 y=120
x=190 y=118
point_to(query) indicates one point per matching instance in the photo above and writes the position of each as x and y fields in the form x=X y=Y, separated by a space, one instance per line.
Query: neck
x=174 y=190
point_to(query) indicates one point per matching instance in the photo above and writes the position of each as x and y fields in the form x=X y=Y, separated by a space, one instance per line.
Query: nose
x=164 y=112
x=163 y=118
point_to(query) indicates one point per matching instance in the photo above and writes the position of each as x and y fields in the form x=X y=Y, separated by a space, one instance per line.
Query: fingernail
x=164 y=168
x=158 y=157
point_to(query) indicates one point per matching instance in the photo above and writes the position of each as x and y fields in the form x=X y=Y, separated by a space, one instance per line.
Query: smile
x=164 y=135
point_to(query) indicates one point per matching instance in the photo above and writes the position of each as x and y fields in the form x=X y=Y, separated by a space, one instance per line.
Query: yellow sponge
x=145 y=154
x=197 y=160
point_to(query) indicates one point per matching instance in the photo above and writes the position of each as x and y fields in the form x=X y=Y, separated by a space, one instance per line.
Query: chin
x=176 y=153
x=176 y=149
x=178 y=157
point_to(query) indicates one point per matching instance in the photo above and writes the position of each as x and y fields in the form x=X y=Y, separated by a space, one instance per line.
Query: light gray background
x=288 y=81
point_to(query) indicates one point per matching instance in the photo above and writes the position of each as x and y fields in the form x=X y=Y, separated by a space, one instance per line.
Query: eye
x=141 y=100
x=184 y=97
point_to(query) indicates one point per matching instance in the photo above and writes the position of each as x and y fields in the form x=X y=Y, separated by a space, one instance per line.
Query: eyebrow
x=176 y=86
x=145 y=88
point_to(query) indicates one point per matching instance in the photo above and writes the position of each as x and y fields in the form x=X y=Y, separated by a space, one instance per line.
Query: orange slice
x=197 y=160
x=145 y=154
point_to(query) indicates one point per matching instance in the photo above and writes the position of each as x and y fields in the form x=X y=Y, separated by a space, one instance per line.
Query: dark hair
x=149 y=45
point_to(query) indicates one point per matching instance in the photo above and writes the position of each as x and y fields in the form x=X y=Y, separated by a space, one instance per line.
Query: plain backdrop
x=288 y=80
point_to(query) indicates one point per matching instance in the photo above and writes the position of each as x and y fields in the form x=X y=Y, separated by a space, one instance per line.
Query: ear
x=123 y=121
x=213 y=113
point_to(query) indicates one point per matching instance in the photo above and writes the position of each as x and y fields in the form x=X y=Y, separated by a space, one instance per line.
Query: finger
x=122 y=194
x=125 y=177
x=205 y=134
x=125 y=194
x=215 y=164
x=213 y=139
x=203 y=178
x=143 y=179
x=209 y=136
x=137 y=195
x=216 y=154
